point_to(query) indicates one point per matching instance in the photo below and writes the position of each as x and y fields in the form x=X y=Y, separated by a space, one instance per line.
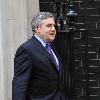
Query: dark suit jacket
x=35 y=74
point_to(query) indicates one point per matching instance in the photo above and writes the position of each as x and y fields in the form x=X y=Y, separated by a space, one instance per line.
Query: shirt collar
x=42 y=42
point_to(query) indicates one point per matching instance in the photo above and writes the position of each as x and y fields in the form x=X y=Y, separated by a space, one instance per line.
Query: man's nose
x=53 y=28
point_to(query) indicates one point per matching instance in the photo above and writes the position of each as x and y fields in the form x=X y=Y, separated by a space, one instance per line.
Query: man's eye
x=49 y=25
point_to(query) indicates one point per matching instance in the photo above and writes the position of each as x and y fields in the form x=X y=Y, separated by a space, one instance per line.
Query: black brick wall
x=82 y=64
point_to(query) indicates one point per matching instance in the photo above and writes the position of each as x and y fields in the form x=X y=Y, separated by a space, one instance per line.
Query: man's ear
x=37 y=29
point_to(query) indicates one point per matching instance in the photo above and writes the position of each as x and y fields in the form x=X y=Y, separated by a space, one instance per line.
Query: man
x=37 y=72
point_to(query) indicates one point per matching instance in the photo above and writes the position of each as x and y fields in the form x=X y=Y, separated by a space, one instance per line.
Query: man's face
x=46 y=30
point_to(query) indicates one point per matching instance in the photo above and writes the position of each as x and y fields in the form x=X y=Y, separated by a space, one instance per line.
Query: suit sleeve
x=22 y=70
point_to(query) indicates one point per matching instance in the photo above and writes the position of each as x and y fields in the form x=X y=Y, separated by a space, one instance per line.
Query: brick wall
x=86 y=48
x=82 y=64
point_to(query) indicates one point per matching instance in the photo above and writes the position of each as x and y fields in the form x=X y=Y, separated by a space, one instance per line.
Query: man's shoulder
x=28 y=44
x=25 y=47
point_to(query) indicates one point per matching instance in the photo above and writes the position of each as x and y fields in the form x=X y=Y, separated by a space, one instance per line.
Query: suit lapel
x=60 y=65
x=42 y=49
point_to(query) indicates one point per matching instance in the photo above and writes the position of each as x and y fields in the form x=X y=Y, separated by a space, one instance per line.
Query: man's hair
x=37 y=19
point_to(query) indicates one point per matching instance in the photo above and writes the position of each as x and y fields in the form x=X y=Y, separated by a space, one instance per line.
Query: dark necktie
x=52 y=55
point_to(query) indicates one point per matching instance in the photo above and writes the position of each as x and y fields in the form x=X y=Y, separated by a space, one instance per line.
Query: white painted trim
x=1 y=62
x=14 y=18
